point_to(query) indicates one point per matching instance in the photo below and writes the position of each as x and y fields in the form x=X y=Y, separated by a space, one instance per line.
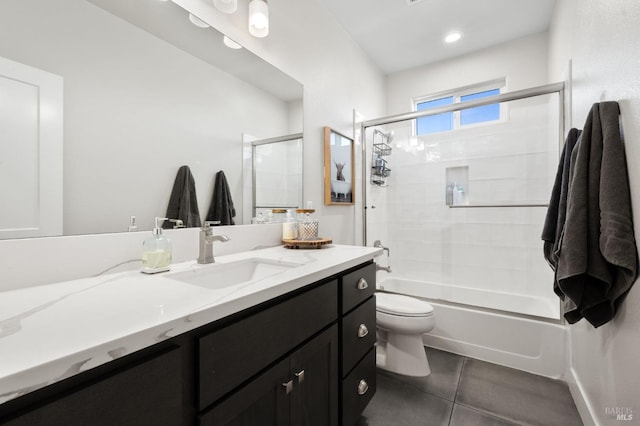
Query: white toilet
x=401 y=322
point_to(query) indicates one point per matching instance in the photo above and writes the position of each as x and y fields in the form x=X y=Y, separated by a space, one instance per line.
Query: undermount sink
x=221 y=275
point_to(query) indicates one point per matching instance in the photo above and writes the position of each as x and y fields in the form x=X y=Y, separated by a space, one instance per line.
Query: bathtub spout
x=383 y=268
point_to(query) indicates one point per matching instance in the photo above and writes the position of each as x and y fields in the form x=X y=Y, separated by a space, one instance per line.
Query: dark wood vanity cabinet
x=146 y=392
x=305 y=358
x=299 y=390
x=358 y=338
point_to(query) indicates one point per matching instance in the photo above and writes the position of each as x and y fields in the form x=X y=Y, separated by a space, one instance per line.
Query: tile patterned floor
x=467 y=392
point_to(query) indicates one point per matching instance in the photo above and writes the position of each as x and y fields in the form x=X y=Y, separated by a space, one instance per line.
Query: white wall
x=135 y=109
x=307 y=43
x=602 y=38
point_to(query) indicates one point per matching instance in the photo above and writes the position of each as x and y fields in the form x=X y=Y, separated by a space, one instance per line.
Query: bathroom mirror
x=144 y=91
x=273 y=173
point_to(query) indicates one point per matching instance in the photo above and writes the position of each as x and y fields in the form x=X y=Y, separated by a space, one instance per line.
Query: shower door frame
x=503 y=97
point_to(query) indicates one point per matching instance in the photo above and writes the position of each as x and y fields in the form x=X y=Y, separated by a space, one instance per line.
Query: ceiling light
x=258 y=18
x=453 y=37
x=230 y=43
x=197 y=21
x=226 y=6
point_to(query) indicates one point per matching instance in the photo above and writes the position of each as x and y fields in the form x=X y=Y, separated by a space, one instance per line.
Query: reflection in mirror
x=144 y=92
x=273 y=176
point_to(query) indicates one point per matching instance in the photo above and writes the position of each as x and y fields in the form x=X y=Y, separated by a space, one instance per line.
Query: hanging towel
x=556 y=213
x=183 y=203
x=598 y=258
x=221 y=208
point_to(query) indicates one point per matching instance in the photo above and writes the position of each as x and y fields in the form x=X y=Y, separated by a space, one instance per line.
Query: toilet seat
x=397 y=304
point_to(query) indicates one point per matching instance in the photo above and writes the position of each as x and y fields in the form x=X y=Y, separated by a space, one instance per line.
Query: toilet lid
x=397 y=304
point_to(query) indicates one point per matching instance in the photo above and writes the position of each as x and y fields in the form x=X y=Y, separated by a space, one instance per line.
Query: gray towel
x=556 y=213
x=598 y=256
x=183 y=203
x=221 y=208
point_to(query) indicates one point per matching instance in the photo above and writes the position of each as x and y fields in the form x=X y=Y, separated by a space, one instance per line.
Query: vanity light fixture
x=230 y=43
x=258 y=18
x=226 y=6
x=453 y=37
x=197 y=21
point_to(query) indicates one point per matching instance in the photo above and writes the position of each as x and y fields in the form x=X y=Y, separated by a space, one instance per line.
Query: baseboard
x=585 y=409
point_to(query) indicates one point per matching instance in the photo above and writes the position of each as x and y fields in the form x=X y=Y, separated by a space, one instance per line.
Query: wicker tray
x=307 y=244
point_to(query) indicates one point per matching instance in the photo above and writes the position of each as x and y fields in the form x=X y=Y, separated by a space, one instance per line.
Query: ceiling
x=398 y=35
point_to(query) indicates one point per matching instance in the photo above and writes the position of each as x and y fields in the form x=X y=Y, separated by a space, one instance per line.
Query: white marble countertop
x=51 y=332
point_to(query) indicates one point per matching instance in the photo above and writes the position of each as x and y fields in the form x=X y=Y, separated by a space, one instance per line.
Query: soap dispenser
x=156 y=251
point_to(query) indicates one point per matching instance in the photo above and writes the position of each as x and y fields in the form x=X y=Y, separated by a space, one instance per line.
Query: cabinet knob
x=363 y=387
x=288 y=386
x=362 y=284
x=300 y=376
x=362 y=330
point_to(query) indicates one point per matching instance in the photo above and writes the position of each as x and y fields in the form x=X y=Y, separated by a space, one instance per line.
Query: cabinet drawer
x=358 y=388
x=230 y=356
x=358 y=286
x=358 y=334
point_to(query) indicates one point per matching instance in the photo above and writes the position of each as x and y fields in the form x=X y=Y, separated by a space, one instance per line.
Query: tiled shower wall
x=494 y=249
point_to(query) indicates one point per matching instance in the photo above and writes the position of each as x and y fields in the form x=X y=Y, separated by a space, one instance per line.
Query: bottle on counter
x=156 y=251
x=289 y=230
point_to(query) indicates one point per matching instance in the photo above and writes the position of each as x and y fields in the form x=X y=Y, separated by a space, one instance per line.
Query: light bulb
x=258 y=18
x=197 y=21
x=230 y=43
x=226 y=6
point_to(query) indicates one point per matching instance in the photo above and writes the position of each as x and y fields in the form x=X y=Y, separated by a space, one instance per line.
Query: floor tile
x=398 y=404
x=516 y=395
x=443 y=380
x=465 y=416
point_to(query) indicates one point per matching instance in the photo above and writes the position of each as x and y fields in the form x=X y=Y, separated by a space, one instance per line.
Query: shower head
x=390 y=136
x=387 y=136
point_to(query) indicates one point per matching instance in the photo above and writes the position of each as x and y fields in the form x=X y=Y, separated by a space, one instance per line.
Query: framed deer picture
x=339 y=173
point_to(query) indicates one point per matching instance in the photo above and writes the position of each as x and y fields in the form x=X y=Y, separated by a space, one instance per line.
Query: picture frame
x=339 y=169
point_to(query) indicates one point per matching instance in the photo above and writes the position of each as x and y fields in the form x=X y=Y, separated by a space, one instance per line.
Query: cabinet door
x=264 y=401
x=147 y=393
x=314 y=370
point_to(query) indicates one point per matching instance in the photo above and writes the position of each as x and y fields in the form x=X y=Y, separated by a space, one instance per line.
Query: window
x=458 y=119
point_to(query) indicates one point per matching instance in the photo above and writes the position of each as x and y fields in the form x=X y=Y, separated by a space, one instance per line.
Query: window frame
x=457 y=94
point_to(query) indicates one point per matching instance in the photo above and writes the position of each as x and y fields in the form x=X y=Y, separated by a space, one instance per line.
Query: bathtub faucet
x=383 y=268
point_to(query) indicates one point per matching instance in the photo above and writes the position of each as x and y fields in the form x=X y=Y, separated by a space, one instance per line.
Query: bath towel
x=183 y=203
x=221 y=208
x=556 y=213
x=598 y=258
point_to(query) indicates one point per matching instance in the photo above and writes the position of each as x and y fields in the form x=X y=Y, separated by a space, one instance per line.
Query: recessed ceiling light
x=453 y=37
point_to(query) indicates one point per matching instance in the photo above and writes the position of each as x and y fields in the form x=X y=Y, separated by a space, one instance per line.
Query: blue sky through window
x=434 y=123
x=480 y=114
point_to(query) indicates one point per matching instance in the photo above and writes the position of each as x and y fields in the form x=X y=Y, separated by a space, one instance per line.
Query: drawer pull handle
x=362 y=284
x=288 y=386
x=363 y=387
x=362 y=331
x=300 y=376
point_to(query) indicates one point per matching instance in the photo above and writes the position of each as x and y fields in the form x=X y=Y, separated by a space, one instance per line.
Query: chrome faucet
x=206 y=242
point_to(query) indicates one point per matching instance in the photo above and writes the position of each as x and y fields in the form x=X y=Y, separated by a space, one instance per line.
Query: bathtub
x=515 y=340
